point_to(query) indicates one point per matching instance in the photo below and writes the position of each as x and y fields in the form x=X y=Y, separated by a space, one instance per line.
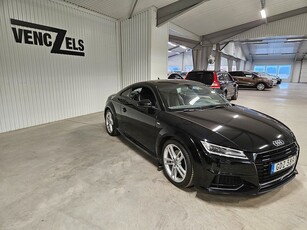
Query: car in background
x=198 y=138
x=249 y=79
x=222 y=81
x=268 y=76
x=175 y=76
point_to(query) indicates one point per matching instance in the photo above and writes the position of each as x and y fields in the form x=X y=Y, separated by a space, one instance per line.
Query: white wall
x=37 y=86
x=158 y=50
x=182 y=60
x=144 y=48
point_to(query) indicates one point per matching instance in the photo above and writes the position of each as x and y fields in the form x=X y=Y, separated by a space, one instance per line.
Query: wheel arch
x=185 y=140
x=191 y=147
x=111 y=107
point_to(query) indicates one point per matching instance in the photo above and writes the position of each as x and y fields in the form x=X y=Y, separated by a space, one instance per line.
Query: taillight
x=215 y=84
x=185 y=78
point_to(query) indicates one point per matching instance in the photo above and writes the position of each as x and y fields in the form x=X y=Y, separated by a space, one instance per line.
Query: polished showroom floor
x=71 y=175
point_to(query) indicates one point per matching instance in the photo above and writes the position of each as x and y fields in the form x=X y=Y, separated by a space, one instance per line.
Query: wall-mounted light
x=263 y=14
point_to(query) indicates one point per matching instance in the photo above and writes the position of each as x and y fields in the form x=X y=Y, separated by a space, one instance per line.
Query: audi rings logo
x=278 y=142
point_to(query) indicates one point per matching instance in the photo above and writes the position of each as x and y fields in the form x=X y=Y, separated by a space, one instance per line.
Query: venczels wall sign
x=72 y=46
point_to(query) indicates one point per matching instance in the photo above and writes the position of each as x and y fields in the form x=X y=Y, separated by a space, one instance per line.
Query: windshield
x=190 y=96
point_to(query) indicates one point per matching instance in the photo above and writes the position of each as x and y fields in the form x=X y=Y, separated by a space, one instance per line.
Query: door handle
x=124 y=110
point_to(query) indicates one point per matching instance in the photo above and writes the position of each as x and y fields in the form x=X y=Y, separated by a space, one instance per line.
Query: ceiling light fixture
x=263 y=14
x=183 y=47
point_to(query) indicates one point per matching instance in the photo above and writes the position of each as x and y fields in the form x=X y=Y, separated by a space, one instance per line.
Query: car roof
x=166 y=82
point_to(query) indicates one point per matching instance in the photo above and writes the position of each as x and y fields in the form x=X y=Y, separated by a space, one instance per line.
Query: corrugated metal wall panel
x=290 y=26
x=36 y=86
x=135 y=43
x=304 y=72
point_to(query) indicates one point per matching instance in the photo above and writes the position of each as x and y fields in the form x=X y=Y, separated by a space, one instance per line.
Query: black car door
x=139 y=123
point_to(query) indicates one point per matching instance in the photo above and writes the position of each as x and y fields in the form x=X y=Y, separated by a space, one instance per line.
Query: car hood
x=248 y=129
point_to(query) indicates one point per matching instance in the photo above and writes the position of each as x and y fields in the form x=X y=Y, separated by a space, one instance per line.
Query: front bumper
x=233 y=176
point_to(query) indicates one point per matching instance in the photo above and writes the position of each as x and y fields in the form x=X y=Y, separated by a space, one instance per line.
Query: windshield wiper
x=215 y=106
x=191 y=110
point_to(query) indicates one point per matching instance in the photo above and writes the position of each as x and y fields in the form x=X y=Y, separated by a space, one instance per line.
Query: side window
x=140 y=93
x=221 y=77
x=132 y=93
x=249 y=75
x=228 y=77
x=126 y=93
x=135 y=94
x=147 y=93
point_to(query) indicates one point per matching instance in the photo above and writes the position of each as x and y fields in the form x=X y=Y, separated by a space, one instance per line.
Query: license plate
x=278 y=166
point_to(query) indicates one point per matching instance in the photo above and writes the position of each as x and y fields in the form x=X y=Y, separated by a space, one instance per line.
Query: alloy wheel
x=109 y=122
x=260 y=86
x=174 y=163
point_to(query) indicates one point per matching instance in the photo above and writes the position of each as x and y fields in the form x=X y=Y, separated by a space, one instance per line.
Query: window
x=259 y=68
x=284 y=71
x=271 y=69
x=188 y=68
x=173 y=68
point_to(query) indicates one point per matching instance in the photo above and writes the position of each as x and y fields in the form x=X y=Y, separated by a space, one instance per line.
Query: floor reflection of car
x=175 y=76
x=249 y=79
x=198 y=138
x=216 y=80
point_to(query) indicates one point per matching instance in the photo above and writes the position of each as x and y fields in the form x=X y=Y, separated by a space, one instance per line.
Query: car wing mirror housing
x=146 y=103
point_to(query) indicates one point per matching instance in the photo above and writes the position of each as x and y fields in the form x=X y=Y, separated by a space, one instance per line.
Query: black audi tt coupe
x=201 y=139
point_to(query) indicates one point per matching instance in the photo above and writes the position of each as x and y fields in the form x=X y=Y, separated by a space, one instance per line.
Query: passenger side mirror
x=146 y=103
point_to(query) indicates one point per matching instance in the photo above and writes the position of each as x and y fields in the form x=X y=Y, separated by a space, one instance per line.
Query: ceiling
x=275 y=48
x=208 y=17
x=216 y=15
x=211 y=17
x=118 y=9
x=176 y=49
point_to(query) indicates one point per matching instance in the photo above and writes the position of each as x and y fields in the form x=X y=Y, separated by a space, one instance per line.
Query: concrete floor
x=71 y=175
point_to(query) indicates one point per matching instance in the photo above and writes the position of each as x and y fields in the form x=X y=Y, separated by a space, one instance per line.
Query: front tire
x=235 y=96
x=260 y=86
x=177 y=165
x=110 y=123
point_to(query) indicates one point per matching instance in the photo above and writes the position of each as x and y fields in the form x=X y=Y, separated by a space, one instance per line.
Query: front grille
x=265 y=159
x=230 y=182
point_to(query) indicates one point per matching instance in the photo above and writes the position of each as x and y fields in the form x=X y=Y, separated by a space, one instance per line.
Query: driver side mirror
x=146 y=103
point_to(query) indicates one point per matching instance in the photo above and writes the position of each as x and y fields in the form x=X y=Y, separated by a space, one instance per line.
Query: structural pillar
x=205 y=54
x=218 y=57
x=229 y=63
x=238 y=64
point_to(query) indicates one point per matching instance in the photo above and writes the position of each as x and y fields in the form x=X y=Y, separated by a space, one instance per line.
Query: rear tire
x=177 y=165
x=225 y=94
x=110 y=123
x=260 y=86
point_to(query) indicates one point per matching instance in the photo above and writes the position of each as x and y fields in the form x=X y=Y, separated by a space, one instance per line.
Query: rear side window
x=203 y=77
x=235 y=73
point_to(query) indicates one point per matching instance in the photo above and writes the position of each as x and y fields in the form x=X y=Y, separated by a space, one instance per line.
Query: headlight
x=223 y=151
